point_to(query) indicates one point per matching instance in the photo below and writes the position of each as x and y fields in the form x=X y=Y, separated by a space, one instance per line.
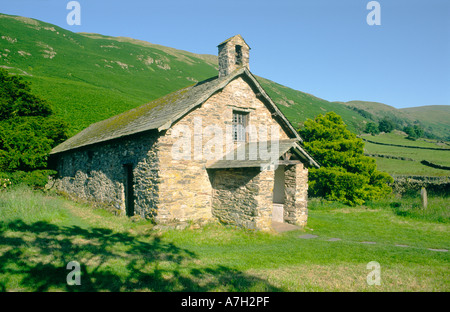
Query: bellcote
x=233 y=54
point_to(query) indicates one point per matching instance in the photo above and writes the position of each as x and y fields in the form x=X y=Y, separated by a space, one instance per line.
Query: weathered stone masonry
x=296 y=194
x=97 y=173
x=127 y=161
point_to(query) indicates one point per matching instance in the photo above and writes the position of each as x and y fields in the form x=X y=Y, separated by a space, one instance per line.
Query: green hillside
x=435 y=119
x=86 y=79
x=90 y=77
x=399 y=156
x=298 y=106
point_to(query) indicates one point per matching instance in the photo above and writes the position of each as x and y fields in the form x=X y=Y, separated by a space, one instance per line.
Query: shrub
x=28 y=131
x=346 y=175
x=4 y=183
x=35 y=178
x=386 y=125
x=414 y=132
x=372 y=128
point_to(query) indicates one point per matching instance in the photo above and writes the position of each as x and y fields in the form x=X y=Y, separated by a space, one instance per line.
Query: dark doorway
x=279 y=195
x=278 y=187
x=129 y=190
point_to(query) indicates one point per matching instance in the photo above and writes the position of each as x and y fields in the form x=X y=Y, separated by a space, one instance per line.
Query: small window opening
x=238 y=50
x=240 y=121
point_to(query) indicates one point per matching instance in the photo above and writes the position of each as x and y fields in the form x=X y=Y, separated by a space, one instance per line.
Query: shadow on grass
x=33 y=257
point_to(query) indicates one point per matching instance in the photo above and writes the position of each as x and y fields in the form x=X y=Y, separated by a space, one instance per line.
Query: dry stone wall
x=243 y=197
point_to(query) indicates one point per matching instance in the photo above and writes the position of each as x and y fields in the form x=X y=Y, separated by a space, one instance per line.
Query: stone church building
x=152 y=161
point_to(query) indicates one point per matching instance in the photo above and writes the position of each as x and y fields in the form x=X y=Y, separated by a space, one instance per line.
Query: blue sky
x=322 y=47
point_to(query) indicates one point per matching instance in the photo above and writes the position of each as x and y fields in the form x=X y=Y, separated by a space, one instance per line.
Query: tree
x=345 y=175
x=414 y=132
x=386 y=125
x=372 y=128
x=28 y=127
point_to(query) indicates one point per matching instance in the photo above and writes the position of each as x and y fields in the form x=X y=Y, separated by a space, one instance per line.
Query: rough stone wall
x=227 y=56
x=296 y=194
x=97 y=174
x=237 y=95
x=185 y=189
x=168 y=189
x=265 y=200
x=243 y=197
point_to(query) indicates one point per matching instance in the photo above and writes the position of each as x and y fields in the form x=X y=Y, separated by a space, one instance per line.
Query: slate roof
x=162 y=113
x=159 y=114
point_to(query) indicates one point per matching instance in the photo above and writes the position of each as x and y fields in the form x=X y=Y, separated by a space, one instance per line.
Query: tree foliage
x=386 y=125
x=28 y=127
x=414 y=132
x=372 y=128
x=345 y=175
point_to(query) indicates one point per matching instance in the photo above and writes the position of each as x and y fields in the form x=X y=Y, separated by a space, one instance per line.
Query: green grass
x=117 y=254
x=437 y=210
x=30 y=206
x=399 y=138
x=396 y=167
x=438 y=157
x=406 y=167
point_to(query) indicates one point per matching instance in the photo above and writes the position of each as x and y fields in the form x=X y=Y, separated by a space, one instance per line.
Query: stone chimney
x=233 y=54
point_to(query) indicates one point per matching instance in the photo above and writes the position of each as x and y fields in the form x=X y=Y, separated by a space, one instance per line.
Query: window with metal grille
x=240 y=120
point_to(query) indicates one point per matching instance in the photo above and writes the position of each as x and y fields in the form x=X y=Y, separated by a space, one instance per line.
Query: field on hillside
x=434 y=151
x=42 y=233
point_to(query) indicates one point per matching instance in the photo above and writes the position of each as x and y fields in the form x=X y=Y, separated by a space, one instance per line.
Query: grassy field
x=408 y=167
x=399 y=138
x=41 y=233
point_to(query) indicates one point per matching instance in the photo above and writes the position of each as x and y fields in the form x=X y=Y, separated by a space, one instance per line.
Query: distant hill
x=90 y=77
x=434 y=119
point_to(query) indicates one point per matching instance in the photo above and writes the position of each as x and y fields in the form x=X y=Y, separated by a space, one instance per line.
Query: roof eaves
x=269 y=100
x=311 y=160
